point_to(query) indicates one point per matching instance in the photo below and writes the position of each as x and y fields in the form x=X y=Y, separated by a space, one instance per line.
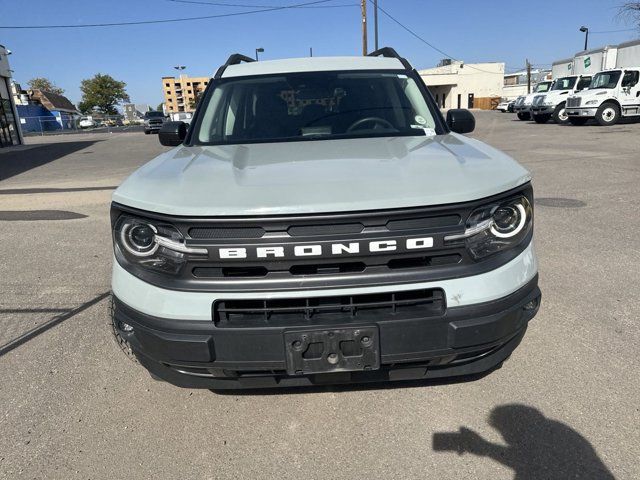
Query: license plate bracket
x=332 y=350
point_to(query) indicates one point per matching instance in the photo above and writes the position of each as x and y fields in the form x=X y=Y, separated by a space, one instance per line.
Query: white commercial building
x=464 y=85
x=10 y=133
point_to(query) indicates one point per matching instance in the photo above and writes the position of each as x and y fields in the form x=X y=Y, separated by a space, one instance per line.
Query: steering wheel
x=376 y=120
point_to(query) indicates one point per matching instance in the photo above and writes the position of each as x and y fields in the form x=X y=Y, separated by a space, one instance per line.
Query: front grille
x=573 y=102
x=328 y=310
x=538 y=100
x=325 y=250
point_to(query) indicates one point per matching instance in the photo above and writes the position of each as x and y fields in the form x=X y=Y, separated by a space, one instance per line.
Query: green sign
x=587 y=62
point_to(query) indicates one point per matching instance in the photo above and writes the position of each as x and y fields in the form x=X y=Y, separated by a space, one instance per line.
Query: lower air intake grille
x=328 y=310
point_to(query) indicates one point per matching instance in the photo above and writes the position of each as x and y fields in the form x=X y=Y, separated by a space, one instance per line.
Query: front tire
x=541 y=118
x=524 y=116
x=147 y=132
x=608 y=114
x=560 y=115
x=578 y=121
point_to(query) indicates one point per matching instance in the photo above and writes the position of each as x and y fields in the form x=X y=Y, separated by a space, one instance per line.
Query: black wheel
x=577 y=121
x=560 y=115
x=147 y=132
x=122 y=342
x=524 y=115
x=541 y=118
x=608 y=114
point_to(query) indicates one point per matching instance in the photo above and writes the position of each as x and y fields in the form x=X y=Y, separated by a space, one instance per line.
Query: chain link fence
x=56 y=125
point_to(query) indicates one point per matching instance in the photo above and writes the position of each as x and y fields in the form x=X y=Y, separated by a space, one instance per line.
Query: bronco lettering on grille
x=316 y=250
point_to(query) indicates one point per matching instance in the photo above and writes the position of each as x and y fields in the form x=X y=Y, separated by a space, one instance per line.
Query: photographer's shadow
x=537 y=447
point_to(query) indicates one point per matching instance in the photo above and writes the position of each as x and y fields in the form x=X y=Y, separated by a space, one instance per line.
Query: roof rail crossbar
x=390 y=53
x=233 y=59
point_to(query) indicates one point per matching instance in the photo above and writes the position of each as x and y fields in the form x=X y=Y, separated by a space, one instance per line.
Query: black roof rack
x=234 y=59
x=390 y=53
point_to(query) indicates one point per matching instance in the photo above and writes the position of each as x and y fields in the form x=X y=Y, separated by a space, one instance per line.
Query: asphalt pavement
x=565 y=405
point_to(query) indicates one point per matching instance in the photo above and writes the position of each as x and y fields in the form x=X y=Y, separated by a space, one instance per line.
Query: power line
x=170 y=20
x=615 y=31
x=428 y=43
x=242 y=5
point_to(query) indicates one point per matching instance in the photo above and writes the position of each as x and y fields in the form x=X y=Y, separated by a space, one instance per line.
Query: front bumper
x=581 y=112
x=543 y=109
x=464 y=340
x=522 y=109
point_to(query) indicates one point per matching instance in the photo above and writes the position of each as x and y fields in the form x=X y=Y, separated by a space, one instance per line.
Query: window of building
x=189 y=91
x=188 y=84
x=167 y=84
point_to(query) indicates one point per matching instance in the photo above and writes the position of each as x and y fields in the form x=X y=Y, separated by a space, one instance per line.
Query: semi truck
x=614 y=92
x=523 y=103
x=552 y=105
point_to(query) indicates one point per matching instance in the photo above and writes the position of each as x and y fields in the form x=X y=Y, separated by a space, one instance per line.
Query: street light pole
x=259 y=50
x=585 y=30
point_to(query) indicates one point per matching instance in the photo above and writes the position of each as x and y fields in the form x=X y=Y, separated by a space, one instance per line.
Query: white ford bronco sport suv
x=320 y=222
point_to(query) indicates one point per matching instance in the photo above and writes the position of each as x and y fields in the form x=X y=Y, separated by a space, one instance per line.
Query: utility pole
x=363 y=5
x=528 y=76
x=311 y=51
x=375 y=21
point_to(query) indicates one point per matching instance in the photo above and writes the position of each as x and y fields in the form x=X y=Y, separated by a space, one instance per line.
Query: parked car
x=612 y=95
x=153 y=121
x=551 y=105
x=87 y=122
x=511 y=106
x=298 y=234
x=523 y=103
x=503 y=106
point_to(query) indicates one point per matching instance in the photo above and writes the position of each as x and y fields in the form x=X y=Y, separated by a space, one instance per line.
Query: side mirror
x=172 y=134
x=460 y=120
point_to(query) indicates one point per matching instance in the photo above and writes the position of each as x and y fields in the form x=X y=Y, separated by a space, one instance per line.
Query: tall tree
x=159 y=107
x=42 y=83
x=102 y=92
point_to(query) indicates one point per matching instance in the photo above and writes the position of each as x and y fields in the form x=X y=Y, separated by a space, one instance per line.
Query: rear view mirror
x=460 y=120
x=172 y=134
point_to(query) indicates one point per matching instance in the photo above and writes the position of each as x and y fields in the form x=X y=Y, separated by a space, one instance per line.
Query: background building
x=10 y=133
x=181 y=94
x=515 y=84
x=42 y=111
x=457 y=84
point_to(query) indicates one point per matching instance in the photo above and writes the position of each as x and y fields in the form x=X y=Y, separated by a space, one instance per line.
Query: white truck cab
x=523 y=103
x=611 y=95
x=551 y=105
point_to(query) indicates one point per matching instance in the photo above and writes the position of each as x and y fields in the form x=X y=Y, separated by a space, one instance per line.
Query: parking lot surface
x=564 y=406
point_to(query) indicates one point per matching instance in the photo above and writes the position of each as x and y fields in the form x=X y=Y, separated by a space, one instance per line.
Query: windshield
x=313 y=106
x=605 y=80
x=153 y=114
x=542 y=87
x=565 y=83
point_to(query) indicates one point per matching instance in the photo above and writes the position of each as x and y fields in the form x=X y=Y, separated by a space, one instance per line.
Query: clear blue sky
x=471 y=30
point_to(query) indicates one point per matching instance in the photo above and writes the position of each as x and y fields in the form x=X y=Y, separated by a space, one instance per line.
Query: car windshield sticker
x=420 y=119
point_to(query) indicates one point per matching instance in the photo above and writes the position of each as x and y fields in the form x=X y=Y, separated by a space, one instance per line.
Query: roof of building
x=312 y=64
x=53 y=101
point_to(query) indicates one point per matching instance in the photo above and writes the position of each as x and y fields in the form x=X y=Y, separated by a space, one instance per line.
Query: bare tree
x=630 y=11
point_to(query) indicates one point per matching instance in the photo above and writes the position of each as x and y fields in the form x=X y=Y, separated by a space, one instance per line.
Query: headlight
x=496 y=227
x=153 y=246
x=592 y=102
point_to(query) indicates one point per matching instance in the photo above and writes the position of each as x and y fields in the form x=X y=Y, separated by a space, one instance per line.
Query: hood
x=556 y=95
x=596 y=93
x=320 y=176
